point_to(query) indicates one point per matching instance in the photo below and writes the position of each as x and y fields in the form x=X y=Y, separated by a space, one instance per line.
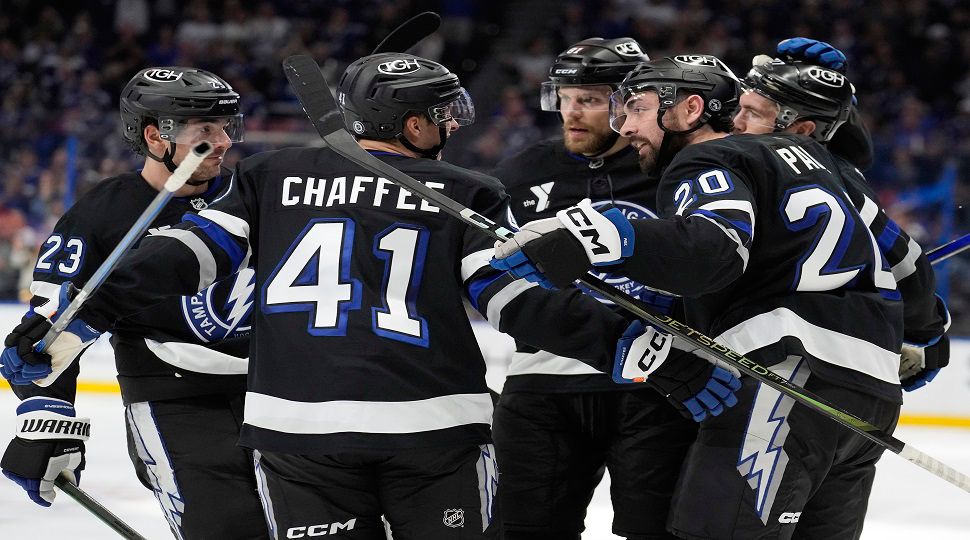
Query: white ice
x=907 y=502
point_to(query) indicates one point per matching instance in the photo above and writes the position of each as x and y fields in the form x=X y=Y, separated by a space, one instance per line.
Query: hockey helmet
x=703 y=75
x=802 y=91
x=169 y=97
x=591 y=62
x=377 y=92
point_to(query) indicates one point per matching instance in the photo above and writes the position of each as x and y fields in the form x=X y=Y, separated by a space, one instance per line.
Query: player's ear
x=803 y=127
x=412 y=125
x=153 y=137
x=694 y=109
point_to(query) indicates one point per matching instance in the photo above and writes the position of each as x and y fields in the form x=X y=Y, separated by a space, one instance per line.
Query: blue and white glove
x=920 y=364
x=50 y=439
x=813 y=51
x=695 y=387
x=554 y=252
x=22 y=362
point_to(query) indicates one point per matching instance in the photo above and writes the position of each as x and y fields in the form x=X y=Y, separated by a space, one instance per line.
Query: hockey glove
x=919 y=364
x=813 y=51
x=50 y=439
x=555 y=252
x=22 y=362
x=695 y=387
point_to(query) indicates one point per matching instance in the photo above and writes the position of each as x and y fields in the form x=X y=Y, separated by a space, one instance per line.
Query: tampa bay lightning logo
x=623 y=283
x=223 y=310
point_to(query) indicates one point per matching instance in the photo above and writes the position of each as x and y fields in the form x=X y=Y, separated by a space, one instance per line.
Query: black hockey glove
x=554 y=252
x=696 y=387
x=50 y=439
x=919 y=365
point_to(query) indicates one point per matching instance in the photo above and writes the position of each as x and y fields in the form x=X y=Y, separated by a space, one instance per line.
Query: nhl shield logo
x=199 y=203
x=454 y=518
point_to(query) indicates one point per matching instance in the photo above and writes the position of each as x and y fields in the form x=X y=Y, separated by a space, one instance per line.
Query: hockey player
x=773 y=260
x=181 y=364
x=367 y=394
x=559 y=422
x=794 y=97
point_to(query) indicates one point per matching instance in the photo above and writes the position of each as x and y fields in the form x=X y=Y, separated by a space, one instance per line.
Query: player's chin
x=206 y=170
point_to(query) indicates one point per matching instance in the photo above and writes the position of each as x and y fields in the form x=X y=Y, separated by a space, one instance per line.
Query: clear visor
x=195 y=130
x=574 y=97
x=460 y=110
x=632 y=106
x=760 y=114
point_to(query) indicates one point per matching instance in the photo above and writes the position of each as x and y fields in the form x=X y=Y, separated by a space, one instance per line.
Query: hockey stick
x=949 y=249
x=409 y=33
x=310 y=87
x=175 y=181
x=96 y=508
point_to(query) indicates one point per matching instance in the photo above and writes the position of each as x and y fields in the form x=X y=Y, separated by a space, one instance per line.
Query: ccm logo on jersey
x=401 y=66
x=320 y=530
x=789 y=517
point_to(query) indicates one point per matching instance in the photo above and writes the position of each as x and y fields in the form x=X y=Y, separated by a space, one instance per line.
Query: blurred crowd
x=63 y=64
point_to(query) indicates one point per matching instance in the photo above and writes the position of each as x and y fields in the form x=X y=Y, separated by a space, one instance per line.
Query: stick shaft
x=96 y=508
x=137 y=229
x=949 y=249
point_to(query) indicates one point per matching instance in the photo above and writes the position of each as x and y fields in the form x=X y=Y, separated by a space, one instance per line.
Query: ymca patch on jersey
x=223 y=310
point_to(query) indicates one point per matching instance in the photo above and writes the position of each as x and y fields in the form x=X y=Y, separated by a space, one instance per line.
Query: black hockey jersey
x=360 y=336
x=542 y=180
x=189 y=346
x=769 y=251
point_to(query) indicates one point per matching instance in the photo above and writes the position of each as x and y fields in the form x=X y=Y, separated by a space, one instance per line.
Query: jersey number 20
x=314 y=276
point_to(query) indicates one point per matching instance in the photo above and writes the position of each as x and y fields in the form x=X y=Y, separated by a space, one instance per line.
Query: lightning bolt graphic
x=240 y=297
x=762 y=460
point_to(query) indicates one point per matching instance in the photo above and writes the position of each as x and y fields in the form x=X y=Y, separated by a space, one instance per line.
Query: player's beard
x=595 y=142
x=652 y=162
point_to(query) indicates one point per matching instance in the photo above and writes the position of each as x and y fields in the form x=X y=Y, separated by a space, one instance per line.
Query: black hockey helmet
x=704 y=75
x=377 y=92
x=802 y=91
x=168 y=97
x=593 y=61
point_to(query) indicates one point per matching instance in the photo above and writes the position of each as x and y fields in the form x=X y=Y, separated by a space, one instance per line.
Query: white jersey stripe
x=321 y=418
x=198 y=358
x=500 y=299
x=473 y=262
x=232 y=224
x=827 y=345
x=207 y=263
x=733 y=235
x=744 y=206
x=907 y=266
x=546 y=363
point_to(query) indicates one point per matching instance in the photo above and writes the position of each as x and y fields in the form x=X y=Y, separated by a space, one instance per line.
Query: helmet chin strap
x=430 y=153
x=166 y=159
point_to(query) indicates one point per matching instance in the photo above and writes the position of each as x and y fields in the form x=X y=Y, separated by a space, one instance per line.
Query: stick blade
x=311 y=88
x=409 y=33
